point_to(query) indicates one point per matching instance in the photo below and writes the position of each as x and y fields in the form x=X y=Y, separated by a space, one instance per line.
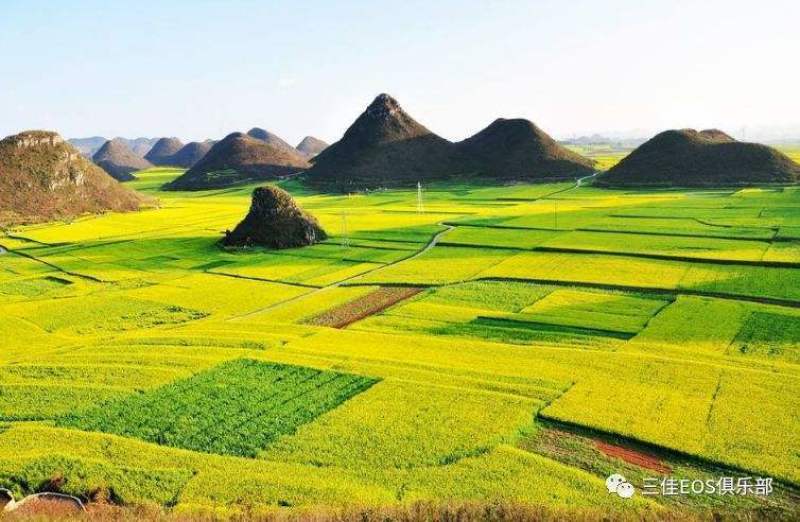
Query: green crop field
x=488 y=348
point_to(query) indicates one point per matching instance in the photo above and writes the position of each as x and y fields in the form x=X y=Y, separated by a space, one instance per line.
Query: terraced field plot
x=237 y=408
x=137 y=357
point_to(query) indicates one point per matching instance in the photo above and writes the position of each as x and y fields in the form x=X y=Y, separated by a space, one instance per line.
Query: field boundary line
x=430 y=244
x=253 y=278
x=642 y=289
x=675 y=234
x=663 y=257
x=51 y=265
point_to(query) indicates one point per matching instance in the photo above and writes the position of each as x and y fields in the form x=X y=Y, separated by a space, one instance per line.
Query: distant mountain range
x=89 y=146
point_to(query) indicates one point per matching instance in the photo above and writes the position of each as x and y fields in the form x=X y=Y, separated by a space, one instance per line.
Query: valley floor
x=500 y=344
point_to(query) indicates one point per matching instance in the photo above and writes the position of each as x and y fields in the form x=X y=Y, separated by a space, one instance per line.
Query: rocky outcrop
x=42 y=177
x=275 y=221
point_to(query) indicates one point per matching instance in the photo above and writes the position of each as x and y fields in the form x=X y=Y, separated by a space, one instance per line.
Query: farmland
x=505 y=344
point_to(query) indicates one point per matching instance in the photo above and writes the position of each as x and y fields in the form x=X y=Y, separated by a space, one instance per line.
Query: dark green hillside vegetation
x=163 y=150
x=275 y=221
x=383 y=147
x=237 y=159
x=516 y=149
x=116 y=158
x=697 y=159
x=42 y=178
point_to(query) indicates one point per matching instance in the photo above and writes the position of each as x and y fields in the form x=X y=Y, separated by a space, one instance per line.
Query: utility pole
x=345 y=237
x=420 y=207
x=555 y=214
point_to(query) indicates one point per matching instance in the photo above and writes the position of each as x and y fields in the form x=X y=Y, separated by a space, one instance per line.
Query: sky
x=201 y=69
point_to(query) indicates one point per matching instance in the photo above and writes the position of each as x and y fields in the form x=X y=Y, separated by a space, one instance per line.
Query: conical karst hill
x=688 y=158
x=275 y=221
x=239 y=158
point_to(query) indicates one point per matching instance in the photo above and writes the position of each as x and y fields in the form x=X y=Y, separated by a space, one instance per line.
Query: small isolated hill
x=707 y=158
x=87 y=146
x=311 y=146
x=383 y=147
x=190 y=154
x=275 y=221
x=42 y=177
x=273 y=139
x=237 y=159
x=119 y=161
x=516 y=149
x=163 y=150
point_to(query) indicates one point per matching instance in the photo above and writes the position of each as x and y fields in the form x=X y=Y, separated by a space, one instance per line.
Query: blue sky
x=198 y=69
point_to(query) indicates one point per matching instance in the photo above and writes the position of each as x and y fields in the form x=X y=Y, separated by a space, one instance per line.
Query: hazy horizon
x=200 y=70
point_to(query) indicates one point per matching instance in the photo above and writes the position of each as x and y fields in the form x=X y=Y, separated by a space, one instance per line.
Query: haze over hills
x=690 y=158
x=140 y=146
x=386 y=147
x=191 y=153
x=42 y=177
x=116 y=158
x=239 y=158
x=516 y=149
x=311 y=146
x=89 y=146
x=163 y=150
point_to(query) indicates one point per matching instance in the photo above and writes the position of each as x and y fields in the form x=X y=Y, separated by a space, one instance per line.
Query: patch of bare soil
x=365 y=306
x=631 y=456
